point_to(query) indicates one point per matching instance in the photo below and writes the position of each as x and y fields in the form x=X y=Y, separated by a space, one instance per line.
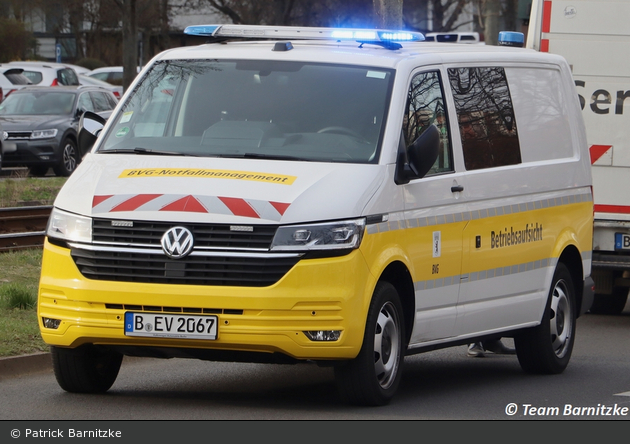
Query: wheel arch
x=572 y=258
x=69 y=134
x=397 y=274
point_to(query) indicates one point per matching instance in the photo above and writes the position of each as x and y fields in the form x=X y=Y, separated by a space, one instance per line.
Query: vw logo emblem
x=177 y=242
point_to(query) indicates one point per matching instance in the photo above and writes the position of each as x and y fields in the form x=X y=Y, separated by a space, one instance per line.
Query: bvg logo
x=177 y=242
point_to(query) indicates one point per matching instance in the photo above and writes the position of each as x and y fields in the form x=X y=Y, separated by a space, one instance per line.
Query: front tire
x=69 y=158
x=372 y=378
x=547 y=348
x=86 y=369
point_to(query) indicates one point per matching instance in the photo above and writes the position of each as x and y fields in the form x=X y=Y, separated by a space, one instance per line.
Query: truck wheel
x=547 y=348
x=610 y=304
x=372 y=378
x=86 y=369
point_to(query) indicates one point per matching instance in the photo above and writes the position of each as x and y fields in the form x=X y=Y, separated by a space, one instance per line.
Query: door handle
x=457 y=188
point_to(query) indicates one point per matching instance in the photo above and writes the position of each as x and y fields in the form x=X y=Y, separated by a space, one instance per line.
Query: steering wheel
x=341 y=130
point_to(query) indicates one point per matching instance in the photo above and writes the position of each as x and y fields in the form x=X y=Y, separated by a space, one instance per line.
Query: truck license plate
x=180 y=326
x=622 y=241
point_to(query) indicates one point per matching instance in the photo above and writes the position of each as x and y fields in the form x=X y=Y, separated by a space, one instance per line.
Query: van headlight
x=69 y=227
x=338 y=235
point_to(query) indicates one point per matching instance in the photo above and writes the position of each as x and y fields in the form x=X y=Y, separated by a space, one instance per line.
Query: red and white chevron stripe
x=258 y=209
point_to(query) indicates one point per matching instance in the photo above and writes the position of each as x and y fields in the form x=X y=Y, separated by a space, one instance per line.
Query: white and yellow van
x=345 y=197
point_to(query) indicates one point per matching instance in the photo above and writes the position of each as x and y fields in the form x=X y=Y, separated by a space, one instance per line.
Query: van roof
x=356 y=53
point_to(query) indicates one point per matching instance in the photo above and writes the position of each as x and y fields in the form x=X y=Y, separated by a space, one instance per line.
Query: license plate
x=180 y=326
x=622 y=241
x=9 y=147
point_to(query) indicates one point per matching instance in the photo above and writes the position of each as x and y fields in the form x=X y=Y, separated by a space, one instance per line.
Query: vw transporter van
x=343 y=197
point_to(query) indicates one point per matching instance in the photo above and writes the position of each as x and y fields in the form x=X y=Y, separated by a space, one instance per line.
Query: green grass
x=14 y=295
x=19 y=331
x=19 y=278
x=19 y=190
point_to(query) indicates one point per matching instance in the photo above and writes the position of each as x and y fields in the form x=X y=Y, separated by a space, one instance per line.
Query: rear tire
x=610 y=304
x=372 y=378
x=86 y=369
x=547 y=348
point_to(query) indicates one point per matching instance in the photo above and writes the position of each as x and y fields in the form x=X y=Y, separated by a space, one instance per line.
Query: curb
x=21 y=365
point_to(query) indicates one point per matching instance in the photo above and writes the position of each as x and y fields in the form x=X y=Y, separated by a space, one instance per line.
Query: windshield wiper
x=161 y=153
x=146 y=151
x=263 y=156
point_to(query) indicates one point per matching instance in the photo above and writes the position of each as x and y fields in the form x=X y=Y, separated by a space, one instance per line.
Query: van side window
x=486 y=117
x=425 y=106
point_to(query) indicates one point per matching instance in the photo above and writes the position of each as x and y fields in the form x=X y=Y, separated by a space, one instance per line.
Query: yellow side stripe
x=500 y=210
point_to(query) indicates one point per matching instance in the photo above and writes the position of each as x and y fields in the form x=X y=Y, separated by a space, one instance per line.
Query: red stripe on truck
x=598 y=151
x=187 y=204
x=239 y=207
x=622 y=209
x=135 y=202
x=544 y=45
x=546 y=19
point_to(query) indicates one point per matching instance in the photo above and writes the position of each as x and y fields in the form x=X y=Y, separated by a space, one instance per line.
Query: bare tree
x=348 y=13
x=130 y=40
x=491 y=11
x=388 y=13
x=75 y=22
x=269 y=12
x=436 y=15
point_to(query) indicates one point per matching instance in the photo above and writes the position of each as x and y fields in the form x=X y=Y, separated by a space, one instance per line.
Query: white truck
x=594 y=37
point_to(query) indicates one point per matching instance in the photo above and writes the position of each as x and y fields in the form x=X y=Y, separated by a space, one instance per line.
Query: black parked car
x=41 y=125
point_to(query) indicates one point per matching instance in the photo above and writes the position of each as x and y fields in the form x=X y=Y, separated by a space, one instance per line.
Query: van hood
x=217 y=190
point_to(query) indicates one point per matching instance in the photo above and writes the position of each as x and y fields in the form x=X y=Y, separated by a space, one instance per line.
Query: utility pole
x=388 y=14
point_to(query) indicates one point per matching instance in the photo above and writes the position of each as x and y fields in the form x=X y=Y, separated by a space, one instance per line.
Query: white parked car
x=78 y=69
x=11 y=79
x=454 y=37
x=117 y=90
x=109 y=74
x=48 y=74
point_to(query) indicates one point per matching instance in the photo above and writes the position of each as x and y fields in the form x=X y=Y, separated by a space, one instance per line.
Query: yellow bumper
x=316 y=294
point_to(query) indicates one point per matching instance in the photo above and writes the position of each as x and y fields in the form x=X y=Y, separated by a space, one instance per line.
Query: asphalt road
x=439 y=385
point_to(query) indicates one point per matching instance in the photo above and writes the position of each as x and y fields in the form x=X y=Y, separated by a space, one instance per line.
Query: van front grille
x=219 y=270
x=113 y=232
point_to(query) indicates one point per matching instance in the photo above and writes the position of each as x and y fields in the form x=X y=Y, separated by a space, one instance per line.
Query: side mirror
x=416 y=160
x=90 y=125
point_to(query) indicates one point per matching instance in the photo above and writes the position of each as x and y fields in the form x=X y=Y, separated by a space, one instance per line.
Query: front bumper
x=31 y=152
x=316 y=294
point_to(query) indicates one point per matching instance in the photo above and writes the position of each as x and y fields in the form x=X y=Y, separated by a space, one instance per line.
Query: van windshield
x=257 y=109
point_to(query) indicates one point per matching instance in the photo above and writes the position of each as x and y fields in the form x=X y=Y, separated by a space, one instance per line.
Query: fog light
x=51 y=323
x=44 y=157
x=323 y=335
